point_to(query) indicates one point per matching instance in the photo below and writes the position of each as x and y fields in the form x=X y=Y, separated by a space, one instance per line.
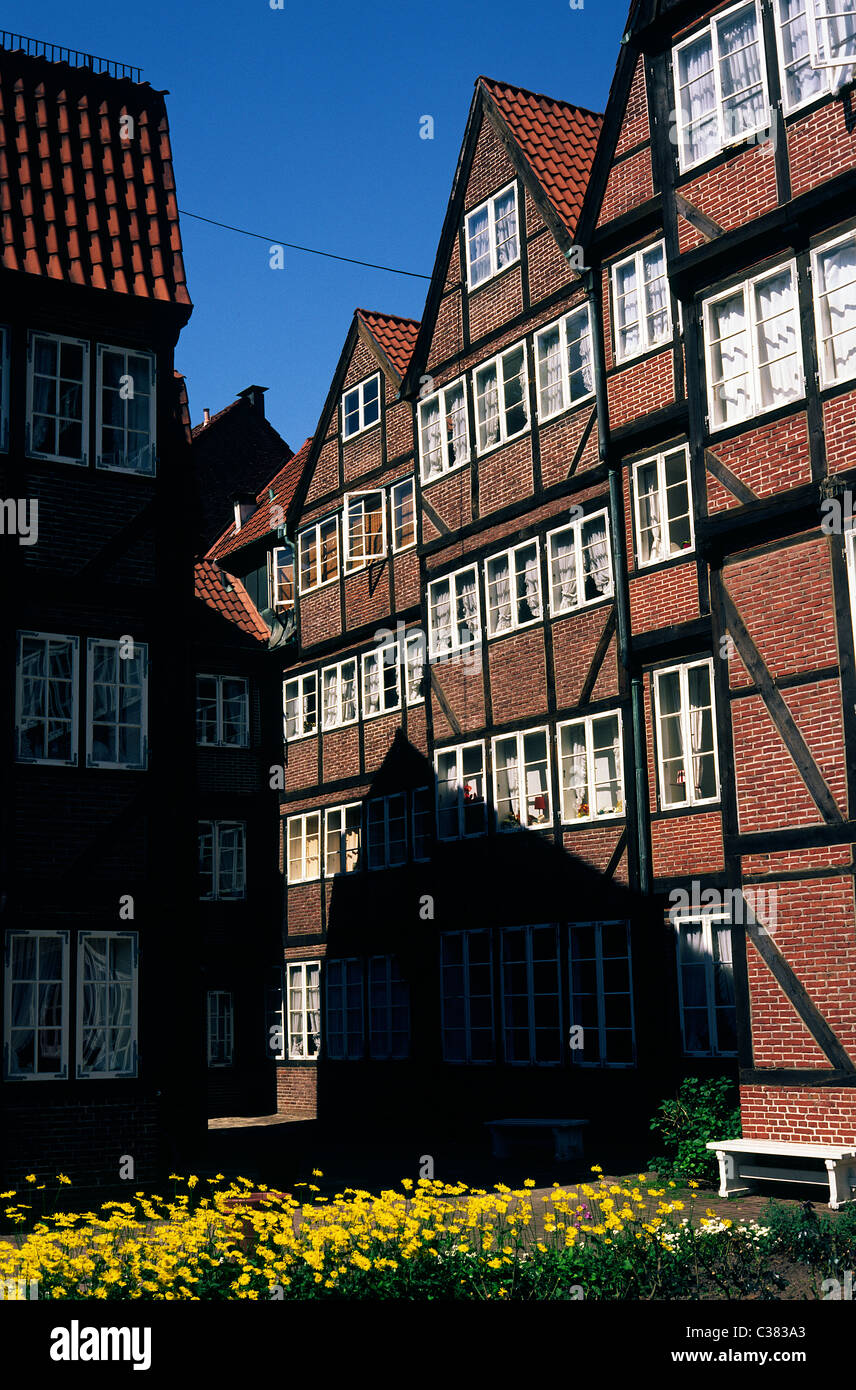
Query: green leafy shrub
x=701 y=1111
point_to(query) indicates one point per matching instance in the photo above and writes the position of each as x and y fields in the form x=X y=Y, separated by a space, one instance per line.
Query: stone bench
x=567 y=1136
x=741 y=1167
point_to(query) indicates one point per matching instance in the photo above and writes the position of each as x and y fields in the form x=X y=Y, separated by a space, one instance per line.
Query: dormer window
x=361 y=407
x=491 y=236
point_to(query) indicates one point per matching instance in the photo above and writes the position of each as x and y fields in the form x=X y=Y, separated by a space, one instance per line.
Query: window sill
x=501 y=443
x=653 y=350
x=588 y=603
x=644 y=566
x=519 y=627
x=494 y=276
x=587 y=821
x=438 y=477
x=565 y=410
x=326 y=584
x=365 y=429
x=378 y=713
x=334 y=728
x=773 y=412
x=300 y=738
x=58 y=458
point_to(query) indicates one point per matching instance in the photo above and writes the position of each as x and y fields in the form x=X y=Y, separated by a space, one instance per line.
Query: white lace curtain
x=490 y=412
x=575 y=773
x=564 y=573
x=432 y=455
x=506 y=230
x=838 y=272
x=501 y=595
x=596 y=556
x=777 y=338
x=529 y=600
x=467 y=608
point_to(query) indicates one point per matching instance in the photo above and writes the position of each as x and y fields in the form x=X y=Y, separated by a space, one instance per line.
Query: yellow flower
x=61 y=1177
x=316 y=1173
x=596 y=1168
x=31 y=1177
x=529 y=1182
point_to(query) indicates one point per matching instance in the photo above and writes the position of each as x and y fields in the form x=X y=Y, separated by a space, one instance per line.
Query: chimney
x=255 y=398
x=206 y=416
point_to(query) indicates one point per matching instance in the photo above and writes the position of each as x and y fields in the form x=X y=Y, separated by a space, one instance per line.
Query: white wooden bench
x=567 y=1136
x=740 y=1169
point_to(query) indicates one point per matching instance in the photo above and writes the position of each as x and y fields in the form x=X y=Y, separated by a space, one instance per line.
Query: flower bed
x=431 y=1240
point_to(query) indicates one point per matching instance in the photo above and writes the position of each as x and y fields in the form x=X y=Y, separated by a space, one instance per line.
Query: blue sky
x=303 y=124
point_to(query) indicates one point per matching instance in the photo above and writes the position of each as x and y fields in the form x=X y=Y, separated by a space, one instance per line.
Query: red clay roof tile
x=262 y=521
x=395 y=336
x=557 y=139
x=234 y=603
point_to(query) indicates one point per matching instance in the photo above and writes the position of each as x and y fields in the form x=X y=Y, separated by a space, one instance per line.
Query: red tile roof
x=557 y=139
x=78 y=203
x=234 y=604
x=261 y=523
x=395 y=336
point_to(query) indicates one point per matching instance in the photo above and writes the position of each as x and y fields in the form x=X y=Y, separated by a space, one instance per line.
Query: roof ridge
x=382 y=314
x=540 y=96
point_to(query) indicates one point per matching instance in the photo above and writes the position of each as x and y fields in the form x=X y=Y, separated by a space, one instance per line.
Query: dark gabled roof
x=78 y=203
x=238 y=451
x=557 y=140
x=262 y=522
x=233 y=604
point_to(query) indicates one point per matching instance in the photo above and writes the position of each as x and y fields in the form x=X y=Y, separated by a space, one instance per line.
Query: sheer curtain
x=740 y=72
x=551 y=373
x=651 y=524
x=432 y=453
x=730 y=356
x=457 y=428
x=478 y=236
x=349 y=693
x=508 y=787
x=696 y=735
x=442 y=625
x=838 y=285
x=564 y=576
x=489 y=411
x=500 y=595
x=313 y=1008
x=468 y=609
x=331 y=698
x=586 y=364
x=777 y=339
x=698 y=100
x=371 y=671
x=529 y=602
x=575 y=774
x=596 y=559
x=506 y=229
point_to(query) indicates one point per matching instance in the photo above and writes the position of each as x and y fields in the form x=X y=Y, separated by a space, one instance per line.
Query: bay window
x=342 y=838
x=513 y=587
x=601 y=993
x=564 y=364
x=834 y=278
x=304 y=1010
x=454 y=621
x=720 y=84
x=381 y=681
x=36 y=1005
x=706 y=985
x=303 y=847
x=444 y=432
x=531 y=995
x=343 y=989
x=300 y=705
x=107 y=1004
x=389 y=1010
x=339 y=694
x=47 y=702
x=364 y=528
x=640 y=299
x=752 y=347
x=591 y=767
x=663 y=506
x=466 y=994
x=580 y=563
x=319 y=554
x=361 y=407
x=502 y=398
x=461 y=808
x=491 y=236
x=687 y=760
x=521 y=780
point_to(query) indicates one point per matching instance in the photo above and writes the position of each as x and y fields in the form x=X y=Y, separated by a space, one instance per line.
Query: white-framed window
x=415 y=655
x=304 y=1009
x=521 y=780
x=36 y=1006
x=591 y=767
x=461 y=807
x=58 y=398
x=752 y=347
x=126 y=411
x=513 y=589
x=491 y=236
x=850 y=552
x=282 y=577
x=343 y=832
x=4 y=389
x=303 y=848
x=107 y=965
x=222 y=860
x=275 y=1025
x=805 y=50
x=444 y=431
x=454 y=619
x=580 y=563
x=602 y=994
x=687 y=758
x=706 y=985
x=223 y=711
x=421 y=822
x=117 y=681
x=640 y=301
x=389 y=1010
x=364 y=528
x=531 y=995
x=339 y=694
x=720 y=84
x=47 y=702
x=318 y=548
x=834 y=281
x=345 y=1038
x=402 y=501
x=502 y=398
x=387 y=831
x=564 y=366
x=662 y=499
x=300 y=705
x=381 y=681
x=361 y=407
x=466 y=996
x=220 y=1032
